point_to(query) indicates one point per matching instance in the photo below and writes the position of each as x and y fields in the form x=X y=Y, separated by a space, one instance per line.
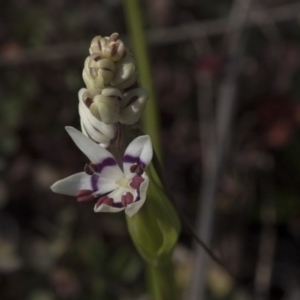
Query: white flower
x=92 y=127
x=113 y=189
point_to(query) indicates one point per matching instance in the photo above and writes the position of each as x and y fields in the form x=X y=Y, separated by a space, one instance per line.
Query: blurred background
x=227 y=77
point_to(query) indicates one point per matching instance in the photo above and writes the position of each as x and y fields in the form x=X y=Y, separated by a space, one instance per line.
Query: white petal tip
x=107 y=208
x=56 y=187
x=70 y=129
x=130 y=213
x=133 y=208
x=52 y=187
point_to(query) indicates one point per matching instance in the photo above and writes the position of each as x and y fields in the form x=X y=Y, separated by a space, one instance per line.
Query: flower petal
x=92 y=124
x=133 y=208
x=93 y=134
x=140 y=152
x=106 y=164
x=115 y=196
x=125 y=72
x=72 y=184
x=93 y=151
x=106 y=180
x=133 y=105
x=106 y=109
x=107 y=208
x=107 y=131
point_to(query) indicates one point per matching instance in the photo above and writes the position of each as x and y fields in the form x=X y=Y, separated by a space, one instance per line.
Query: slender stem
x=267 y=240
x=150 y=121
x=159 y=280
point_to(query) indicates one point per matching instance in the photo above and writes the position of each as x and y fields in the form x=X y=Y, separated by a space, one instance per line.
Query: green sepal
x=155 y=228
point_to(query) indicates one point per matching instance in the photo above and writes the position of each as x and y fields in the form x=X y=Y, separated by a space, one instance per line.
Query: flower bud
x=108 y=47
x=155 y=228
x=104 y=104
x=125 y=74
x=133 y=105
x=91 y=126
x=98 y=72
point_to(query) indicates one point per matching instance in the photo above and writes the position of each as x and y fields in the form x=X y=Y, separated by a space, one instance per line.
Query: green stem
x=150 y=120
x=161 y=282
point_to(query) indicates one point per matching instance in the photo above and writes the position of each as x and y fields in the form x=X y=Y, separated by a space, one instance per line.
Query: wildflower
x=113 y=189
x=92 y=127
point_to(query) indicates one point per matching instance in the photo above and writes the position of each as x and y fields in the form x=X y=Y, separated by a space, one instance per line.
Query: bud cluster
x=112 y=92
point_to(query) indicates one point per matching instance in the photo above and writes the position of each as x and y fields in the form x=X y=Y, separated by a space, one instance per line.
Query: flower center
x=123 y=182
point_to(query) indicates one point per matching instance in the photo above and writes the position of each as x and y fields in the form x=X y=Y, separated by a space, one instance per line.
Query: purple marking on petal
x=133 y=160
x=107 y=162
x=119 y=205
x=138 y=197
x=94 y=181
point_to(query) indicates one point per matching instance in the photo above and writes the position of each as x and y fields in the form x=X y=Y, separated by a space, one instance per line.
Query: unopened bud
x=91 y=126
x=133 y=105
x=108 y=47
x=125 y=74
x=98 y=72
x=105 y=104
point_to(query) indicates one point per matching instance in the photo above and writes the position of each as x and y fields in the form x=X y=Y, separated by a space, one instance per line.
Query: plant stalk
x=160 y=280
x=150 y=120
